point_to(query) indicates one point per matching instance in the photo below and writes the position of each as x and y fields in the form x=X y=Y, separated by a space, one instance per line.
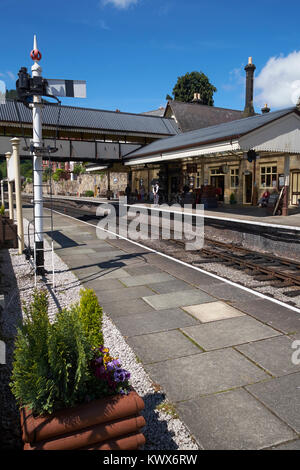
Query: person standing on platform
x=155 y=193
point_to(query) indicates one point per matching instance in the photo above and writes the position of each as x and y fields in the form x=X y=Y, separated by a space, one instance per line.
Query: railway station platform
x=220 y=353
x=234 y=213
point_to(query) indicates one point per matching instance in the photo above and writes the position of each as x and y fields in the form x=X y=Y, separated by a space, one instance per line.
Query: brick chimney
x=249 y=109
x=265 y=109
x=197 y=98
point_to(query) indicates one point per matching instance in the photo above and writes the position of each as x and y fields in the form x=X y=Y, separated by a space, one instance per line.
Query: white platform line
x=215 y=276
x=229 y=219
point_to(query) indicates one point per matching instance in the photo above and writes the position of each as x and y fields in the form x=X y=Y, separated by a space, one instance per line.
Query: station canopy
x=275 y=132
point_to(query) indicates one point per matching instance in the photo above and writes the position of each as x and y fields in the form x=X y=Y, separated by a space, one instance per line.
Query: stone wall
x=86 y=182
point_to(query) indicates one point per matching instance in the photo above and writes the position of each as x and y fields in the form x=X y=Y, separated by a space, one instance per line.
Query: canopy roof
x=276 y=131
x=76 y=118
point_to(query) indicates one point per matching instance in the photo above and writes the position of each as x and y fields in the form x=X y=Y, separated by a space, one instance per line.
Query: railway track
x=277 y=272
x=269 y=269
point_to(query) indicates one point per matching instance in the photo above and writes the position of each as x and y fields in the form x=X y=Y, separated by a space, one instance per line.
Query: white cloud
x=278 y=83
x=120 y=3
x=236 y=80
x=2 y=87
x=11 y=75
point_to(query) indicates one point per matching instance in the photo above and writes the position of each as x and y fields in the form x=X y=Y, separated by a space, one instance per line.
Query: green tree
x=78 y=169
x=194 y=82
x=26 y=168
x=11 y=94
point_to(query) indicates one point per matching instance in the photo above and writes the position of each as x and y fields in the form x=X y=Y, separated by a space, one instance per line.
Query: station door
x=295 y=187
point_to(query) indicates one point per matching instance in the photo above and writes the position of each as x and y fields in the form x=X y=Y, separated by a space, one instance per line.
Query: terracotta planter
x=105 y=424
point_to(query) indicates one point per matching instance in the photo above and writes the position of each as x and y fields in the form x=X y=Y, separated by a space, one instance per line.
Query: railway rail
x=276 y=271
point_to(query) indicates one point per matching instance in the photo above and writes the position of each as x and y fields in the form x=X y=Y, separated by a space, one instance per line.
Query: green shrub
x=60 y=174
x=88 y=193
x=232 y=198
x=30 y=368
x=52 y=361
x=91 y=314
x=2 y=210
x=78 y=169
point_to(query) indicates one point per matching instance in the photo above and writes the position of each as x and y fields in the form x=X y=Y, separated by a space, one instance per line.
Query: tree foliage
x=194 y=82
x=25 y=168
x=11 y=94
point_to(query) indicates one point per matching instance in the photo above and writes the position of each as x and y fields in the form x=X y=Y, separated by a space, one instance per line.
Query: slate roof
x=191 y=116
x=94 y=119
x=155 y=112
x=211 y=134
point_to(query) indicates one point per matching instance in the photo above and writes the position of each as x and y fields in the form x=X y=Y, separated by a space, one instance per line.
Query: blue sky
x=131 y=52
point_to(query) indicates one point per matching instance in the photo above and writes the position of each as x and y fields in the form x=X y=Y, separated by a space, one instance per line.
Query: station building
x=239 y=154
x=218 y=156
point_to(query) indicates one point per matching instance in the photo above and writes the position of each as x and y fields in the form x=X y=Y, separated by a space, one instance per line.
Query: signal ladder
x=31 y=254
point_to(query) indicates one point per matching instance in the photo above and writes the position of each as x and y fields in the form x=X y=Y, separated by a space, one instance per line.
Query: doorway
x=295 y=188
x=218 y=181
x=248 y=188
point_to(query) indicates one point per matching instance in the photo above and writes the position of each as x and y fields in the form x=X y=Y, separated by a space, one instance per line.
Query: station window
x=234 y=177
x=268 y=176
x=216 y=171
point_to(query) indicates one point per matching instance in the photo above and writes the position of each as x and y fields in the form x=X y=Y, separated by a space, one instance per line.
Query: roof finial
x=35 y=53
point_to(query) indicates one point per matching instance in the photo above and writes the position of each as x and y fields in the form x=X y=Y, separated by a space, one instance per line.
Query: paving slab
x=178 y=299
x=272 y=354
x=230 y=332
x=104 y=285
x=101 y=255
x=233 y=420
x=212 y=311
x=113 y=273
x=100 y=244
x=111 y=264
x=153 y=321
x=282 y=396
x=84 y=251
x=162 y=346
x=94 y=272
x=144 y=269
x=293 y=445
x=86 y=273
x=124 y=293
x=126 y=307
x=205 y=373
x=229 y=293
x=272 y=314
x=169 y=286
x=146 y=279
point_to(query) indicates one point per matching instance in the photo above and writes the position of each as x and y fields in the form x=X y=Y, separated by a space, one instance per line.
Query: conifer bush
x=56 y=364
x=91 y=313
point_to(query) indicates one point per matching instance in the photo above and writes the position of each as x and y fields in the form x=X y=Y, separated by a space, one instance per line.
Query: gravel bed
x=164 y=431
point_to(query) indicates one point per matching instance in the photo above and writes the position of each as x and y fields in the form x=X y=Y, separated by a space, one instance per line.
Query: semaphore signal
x=30 y=91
